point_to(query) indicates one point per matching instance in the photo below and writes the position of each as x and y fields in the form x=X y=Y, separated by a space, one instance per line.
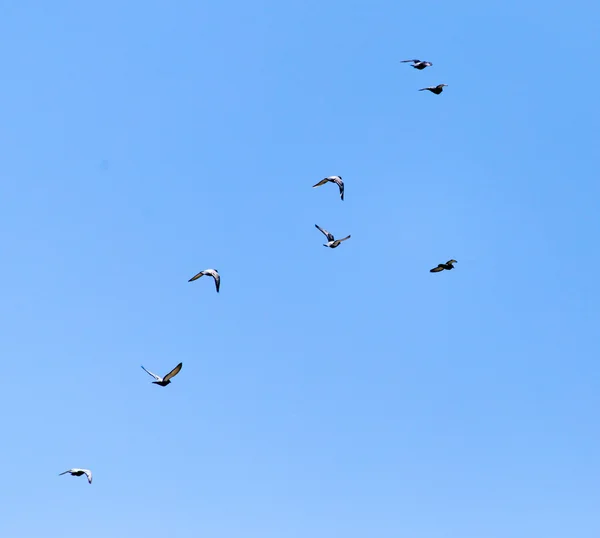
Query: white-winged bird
x=164 y=381
x=212 y=272
x=333 y=179
x=332 y=242
x=441 y=266
x=435 y=89
x=418 y=64
x=79 y=472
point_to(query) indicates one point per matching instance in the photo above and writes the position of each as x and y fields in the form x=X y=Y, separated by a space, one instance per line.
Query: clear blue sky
x=324 y=393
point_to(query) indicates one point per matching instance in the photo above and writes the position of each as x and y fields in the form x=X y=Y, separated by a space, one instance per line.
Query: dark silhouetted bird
x=441 y=266
x=435 y=89
x=79 y=472
x=212 y=272
x=418 y=64
x=333 y=179
x=164 y=381
x=332 y=242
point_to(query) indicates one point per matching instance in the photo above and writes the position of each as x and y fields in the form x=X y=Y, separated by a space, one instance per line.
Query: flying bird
x=211 y=272
x=333 y=179
x=418 y=64
x=164 y=381
x=79 y=472
x=332 y=242
x=441 y=266
x=435 y=89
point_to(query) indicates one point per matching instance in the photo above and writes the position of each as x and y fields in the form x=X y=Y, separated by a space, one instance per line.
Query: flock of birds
x=332 y=242
x=420 y=65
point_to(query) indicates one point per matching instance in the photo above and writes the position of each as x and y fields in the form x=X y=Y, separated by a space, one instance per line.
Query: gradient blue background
x=324 y=393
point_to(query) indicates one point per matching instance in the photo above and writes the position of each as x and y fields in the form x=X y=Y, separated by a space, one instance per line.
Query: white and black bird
x=448 y=266
x=211 y=272
x=435 y=89
x=418 y=64
x=79 y=472
x=332 y=242
x=333 y=179
x=164 y=381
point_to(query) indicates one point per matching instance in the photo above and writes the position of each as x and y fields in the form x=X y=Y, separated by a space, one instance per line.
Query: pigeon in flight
x=418 y=64
x=211 y=272
x=79 y=472
x=332 y=242
x=164 y=381
x=435 y=89
x=333 y=179
x=441 y=266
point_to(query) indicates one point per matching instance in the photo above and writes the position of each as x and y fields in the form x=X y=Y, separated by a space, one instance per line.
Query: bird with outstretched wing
x=333 y=179
x=417 y=64
x=435 y=89
x=449 y=265
x=211 y=272
x=332 y=242
x=79 y=472
x=164 y=381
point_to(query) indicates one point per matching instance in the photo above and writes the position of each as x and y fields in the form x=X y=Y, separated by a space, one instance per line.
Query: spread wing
x=88 y=473
x=405 y=61
x=196 y=277
x=322 y=182
x=325 y=232
x=450 y=262
x=216 y=276
x=437 y=269
x=340 y=184
x=428 y=88
x=159 y=379
x=347 y=237
x=65 y=472
x=173 y=372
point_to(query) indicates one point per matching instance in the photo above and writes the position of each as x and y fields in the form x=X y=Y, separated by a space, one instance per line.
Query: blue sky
x=324 y=393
